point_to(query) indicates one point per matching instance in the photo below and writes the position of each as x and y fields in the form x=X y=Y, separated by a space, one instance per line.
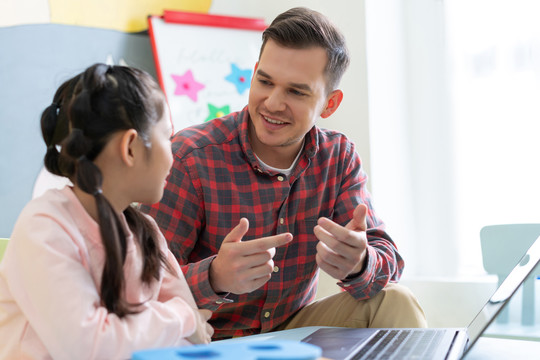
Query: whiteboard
x=204 y=63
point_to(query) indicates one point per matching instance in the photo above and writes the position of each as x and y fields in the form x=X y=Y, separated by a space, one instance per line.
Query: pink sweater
x=49 y=299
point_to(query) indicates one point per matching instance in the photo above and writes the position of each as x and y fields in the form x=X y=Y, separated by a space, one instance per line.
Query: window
x=454 y=96
x=495 y=57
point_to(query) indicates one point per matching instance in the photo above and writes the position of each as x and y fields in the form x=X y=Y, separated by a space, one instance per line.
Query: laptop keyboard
x=401 y=344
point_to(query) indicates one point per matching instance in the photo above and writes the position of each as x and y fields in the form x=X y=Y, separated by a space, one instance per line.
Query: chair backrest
x=504 y=245
x=3 y=246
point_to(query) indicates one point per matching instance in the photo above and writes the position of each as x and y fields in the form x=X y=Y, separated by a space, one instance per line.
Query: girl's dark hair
x=86 y=111
x=301 y=28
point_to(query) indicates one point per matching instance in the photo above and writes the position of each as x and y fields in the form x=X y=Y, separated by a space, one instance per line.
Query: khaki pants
x=394 y=307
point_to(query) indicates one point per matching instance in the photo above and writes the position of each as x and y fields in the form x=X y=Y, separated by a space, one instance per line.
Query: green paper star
x=217 y=112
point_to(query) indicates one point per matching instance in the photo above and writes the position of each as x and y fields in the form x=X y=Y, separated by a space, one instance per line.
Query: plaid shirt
x=216 y=180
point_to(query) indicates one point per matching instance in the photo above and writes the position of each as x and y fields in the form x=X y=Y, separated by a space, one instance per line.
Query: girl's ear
x=332 y=103
x=128 y=149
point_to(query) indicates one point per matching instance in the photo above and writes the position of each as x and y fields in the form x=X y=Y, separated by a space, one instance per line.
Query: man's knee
x=399 y=294
x=399 y=307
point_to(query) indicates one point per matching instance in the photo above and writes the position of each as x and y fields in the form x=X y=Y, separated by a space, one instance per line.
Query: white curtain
x=454 y=94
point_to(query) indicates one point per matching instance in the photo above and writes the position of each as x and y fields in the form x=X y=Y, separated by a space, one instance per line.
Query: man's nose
x=275 y=100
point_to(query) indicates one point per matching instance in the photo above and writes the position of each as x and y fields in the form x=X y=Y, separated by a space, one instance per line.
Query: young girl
x=85 y=274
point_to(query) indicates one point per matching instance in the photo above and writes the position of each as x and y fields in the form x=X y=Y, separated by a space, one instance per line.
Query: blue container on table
x=235 y=350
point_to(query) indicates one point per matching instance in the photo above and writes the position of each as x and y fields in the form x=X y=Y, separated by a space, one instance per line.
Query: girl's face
x=154 y=171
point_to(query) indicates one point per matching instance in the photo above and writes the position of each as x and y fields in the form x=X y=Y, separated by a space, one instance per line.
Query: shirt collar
x=310 y=149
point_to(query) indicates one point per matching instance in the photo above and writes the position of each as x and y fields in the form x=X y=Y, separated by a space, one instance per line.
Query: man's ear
x=128 y=147
x=332 y=103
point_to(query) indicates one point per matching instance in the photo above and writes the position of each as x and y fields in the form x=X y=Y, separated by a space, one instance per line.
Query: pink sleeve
x=49 y=279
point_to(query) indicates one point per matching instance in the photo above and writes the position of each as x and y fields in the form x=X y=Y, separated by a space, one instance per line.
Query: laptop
x=434 y=343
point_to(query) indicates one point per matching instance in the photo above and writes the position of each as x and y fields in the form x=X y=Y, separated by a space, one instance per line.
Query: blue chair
x=502 y=248
x=3 y=246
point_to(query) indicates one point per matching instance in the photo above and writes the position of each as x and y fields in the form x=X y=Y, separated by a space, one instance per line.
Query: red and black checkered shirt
x=216 y=180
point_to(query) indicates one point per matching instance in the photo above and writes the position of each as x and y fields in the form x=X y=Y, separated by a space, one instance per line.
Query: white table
x=486 y=348
x=507 y=349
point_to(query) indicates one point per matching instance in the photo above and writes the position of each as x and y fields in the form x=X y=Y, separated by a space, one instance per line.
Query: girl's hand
x=203 y=333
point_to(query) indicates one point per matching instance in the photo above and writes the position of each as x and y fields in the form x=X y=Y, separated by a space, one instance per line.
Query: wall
x=36 y=55
x=41 y=45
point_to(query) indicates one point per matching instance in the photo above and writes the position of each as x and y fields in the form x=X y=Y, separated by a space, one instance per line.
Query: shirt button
x=280 y=178
x=276 y=269
x=219 y=302
x=281 y=221
x=346 y=285
x=267 y=314
x=259 y=170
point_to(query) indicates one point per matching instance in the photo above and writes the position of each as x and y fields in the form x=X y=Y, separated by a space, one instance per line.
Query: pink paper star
x=186 y=85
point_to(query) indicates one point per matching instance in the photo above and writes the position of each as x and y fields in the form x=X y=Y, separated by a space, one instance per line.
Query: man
x=259 y=200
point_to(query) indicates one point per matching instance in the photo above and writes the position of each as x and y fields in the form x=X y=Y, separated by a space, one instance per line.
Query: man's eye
x=296 y=92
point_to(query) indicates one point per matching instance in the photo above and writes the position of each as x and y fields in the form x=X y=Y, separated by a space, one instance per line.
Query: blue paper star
x=240 y=78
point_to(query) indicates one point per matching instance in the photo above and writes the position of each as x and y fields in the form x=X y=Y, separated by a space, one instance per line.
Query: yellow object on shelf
x=122 y=15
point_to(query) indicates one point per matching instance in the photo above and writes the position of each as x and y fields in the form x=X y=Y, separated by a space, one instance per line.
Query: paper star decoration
x=217 y=112
x=186 y=85
x=240 y=78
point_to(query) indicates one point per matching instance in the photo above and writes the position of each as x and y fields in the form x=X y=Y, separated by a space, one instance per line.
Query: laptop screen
x=505 y=291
